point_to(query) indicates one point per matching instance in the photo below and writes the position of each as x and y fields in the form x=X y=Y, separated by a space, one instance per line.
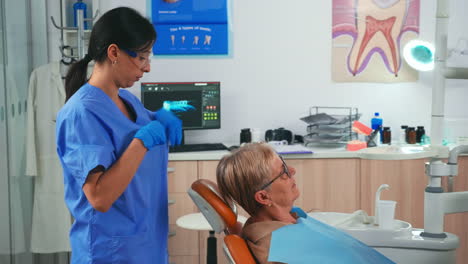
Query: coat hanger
x=67 y=59
x=80 y=37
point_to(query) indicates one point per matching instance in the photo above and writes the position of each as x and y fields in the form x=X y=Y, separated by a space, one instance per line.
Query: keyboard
x=198 y=147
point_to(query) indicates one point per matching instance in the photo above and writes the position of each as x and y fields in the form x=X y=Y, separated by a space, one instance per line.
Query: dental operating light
x=419 y=55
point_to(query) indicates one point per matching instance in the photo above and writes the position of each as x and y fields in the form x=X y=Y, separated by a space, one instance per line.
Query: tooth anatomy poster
x=187 y=27
x=368 y=40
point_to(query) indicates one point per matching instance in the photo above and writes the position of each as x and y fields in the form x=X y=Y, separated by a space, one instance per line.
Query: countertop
x=404 y=152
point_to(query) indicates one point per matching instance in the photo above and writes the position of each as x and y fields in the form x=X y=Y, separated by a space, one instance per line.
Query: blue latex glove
x=152 y=134
x=172 y=124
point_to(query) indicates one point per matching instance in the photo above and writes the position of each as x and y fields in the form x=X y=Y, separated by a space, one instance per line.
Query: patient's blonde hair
x=243 y=172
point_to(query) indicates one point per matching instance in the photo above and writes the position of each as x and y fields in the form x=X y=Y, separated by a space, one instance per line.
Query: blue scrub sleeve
x=83 y=143
x=85 y=158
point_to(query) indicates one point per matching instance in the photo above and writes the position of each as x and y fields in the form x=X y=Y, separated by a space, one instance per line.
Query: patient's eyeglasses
x=140 y=60
x=285 y=171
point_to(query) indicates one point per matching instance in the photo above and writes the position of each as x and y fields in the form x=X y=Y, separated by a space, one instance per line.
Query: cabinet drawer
x=183 y=259
x=207 y=169
x=184 y=242
x=181 y=174
x=331 y=185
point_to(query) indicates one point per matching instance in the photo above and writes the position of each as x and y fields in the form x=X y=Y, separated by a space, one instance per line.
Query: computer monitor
x=197 y=104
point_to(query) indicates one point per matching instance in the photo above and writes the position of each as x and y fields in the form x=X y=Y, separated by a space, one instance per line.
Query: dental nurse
x=114 y=151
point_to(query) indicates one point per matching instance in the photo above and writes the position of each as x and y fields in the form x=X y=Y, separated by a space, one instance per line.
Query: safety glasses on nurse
x=140 y=59
x=284 y=172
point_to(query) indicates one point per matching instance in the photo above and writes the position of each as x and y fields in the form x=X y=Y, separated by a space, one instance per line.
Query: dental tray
x=319 y=119
x=346 y=119
x=315 y=138
x=329 y=129
x=332 y=128
x=331 y=119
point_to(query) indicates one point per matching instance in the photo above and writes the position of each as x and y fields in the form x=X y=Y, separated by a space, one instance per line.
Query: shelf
x=87 y=31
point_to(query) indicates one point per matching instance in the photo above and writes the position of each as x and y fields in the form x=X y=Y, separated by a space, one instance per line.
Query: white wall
x=457 y=91
x=280 y=66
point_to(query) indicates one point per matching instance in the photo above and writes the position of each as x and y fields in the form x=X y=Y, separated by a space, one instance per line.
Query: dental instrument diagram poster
x=368 y=40
x=190 y=27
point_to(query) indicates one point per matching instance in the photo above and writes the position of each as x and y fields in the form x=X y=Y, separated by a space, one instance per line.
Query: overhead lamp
x=419 y=55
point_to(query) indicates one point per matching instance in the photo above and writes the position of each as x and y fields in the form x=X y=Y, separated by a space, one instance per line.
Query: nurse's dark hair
x=122 y=26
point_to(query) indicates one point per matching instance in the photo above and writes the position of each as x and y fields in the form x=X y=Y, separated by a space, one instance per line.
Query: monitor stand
x=182 y=142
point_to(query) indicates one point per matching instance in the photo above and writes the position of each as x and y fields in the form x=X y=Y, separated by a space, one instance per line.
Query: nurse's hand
x=172 y=124
x=152 y=134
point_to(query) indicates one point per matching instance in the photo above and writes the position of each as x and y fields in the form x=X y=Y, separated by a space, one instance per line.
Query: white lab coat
x=51 y=220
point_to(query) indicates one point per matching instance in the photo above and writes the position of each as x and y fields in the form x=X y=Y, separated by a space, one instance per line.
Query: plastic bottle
x=402 y=140
x=387 y=135
x=256 y=135
x=419 y=133
x=376 y=123
x=79 y=5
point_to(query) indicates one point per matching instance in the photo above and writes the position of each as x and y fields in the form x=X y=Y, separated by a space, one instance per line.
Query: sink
x=403 y=244
x=361 y=226
x=392 y=152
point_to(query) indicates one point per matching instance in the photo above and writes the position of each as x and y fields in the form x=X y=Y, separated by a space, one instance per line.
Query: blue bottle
x=79 y=5
x=377 y=123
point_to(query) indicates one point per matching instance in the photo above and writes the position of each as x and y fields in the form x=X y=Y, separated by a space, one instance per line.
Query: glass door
x=22 y=24
x=17 y=189
x=5 y=234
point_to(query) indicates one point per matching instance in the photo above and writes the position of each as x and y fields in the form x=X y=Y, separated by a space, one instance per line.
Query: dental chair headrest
x=221 y=214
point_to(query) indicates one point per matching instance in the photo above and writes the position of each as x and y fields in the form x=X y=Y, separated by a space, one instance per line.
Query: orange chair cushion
x=209 y=191
x=238 y=249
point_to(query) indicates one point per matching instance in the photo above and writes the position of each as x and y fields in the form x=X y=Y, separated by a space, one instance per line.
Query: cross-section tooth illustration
x=379 y=25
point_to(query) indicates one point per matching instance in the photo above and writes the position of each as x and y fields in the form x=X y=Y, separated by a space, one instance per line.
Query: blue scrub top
x=92 y=131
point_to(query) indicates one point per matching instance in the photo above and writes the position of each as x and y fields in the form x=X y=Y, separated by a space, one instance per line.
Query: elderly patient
x=263 y=184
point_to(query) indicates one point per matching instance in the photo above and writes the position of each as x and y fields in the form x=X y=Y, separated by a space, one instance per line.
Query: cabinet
x=457 y=223
x=325 y=185
x=407 y=181
x=207 y=170
x=183 y=244
x=329 y=184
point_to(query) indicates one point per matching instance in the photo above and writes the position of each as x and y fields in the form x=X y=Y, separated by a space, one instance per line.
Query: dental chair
x=222 y=216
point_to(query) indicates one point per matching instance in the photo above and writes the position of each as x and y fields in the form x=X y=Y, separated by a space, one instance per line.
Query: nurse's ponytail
x=122 y=26
x=76 y=76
